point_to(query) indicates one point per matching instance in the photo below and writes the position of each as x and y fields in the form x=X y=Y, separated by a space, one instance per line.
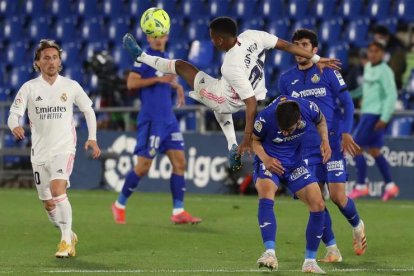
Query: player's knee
x=179 y=167
x=141 y=171
x=338 y=199
x=49 y=205
x=318 y=205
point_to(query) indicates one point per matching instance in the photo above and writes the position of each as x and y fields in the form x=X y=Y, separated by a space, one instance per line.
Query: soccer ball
x=155 y=22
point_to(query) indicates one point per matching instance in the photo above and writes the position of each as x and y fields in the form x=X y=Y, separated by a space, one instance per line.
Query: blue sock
x=384 y=168
x=361 y=167
x=350 y=212
x=328 y=237
x=267 y=222
x=130 y=184
x=314 y=233
x=177 y=186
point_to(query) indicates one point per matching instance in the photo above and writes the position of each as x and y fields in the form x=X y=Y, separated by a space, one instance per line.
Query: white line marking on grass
x=339 y=270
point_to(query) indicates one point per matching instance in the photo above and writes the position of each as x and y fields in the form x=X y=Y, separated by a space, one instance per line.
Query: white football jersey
x=243 y=67
x=50 y=111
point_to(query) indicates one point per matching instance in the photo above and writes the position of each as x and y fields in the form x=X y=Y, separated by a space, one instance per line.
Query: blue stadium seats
x=340 y=52
x=19 y=75
x=244 y=9
x=401 y=126
x=93 y=48
x=91 y=83
x=122 y=58
x=91 y=30
x=192 y=8
x=351 y=9
x=13 y=28
x=139 y=34
x=8 y=7
x=198 y=30
x=178 y=51
x=39 y=28
x=405 y=10
x=34 y=8
x=281 y=60
x=201 y=53
x=357 y=33
x=74 y=73
x=280 y=28
x=88 y=8
x=176 y=33
x=61 y=8
x=307 y=23
x=254 y=24
x=65 y=29
x=325 y=9
x=16 y=54
x=116 y=29
x=271 y=9
x=137 y=7
x=330 y=31
x=218 y=7
x=378 y=9
x=113 y=8
x=71 y=54
x=391 y=23
x=298 y=9
x=170 y=6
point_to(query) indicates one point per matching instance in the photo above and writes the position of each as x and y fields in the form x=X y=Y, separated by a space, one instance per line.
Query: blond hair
x=45 y=44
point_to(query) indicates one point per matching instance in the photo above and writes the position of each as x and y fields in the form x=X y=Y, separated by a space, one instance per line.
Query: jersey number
x=154 y=141
x=256 y=73
x=37 y=178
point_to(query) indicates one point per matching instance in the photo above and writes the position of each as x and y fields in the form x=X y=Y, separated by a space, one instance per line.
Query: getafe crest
x=63 y=97
x=315 y=78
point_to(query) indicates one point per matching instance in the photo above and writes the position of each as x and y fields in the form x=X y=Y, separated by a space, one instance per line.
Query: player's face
x=216 y=40
x=306 y=44
x=49 y=62
x=375 y=54
x=158 y=43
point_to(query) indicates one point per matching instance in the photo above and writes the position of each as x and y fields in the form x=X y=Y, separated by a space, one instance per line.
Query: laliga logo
x=200 y=169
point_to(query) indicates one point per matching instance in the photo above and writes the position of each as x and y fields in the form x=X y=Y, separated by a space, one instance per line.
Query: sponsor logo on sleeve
x=339 y=77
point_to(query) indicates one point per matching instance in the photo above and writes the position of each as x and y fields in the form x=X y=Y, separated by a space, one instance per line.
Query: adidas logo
x=227 y=123
x=39 y=99
x=60 y=171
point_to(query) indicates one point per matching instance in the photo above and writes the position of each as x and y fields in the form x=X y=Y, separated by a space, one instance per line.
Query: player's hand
x=169 y=78
x=18 y=132
x=332 y=63
x=96 y=151
x=326 y=151
x=348 y=145
x=273 y=165
x=380 y=125
x=246 y=145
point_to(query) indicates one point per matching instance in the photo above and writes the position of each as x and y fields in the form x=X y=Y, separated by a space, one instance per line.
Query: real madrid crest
x=63 y=97
x=315 y=78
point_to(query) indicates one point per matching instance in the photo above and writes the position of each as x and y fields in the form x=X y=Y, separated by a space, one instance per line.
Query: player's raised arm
x=321 y=62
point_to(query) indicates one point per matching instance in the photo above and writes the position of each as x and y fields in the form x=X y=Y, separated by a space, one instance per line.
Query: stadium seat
x=218 y=7
x=16 y=54
x=280 y=28
x=271 y=9
x=8 y=7
x=340 y=52
x=254 y=24
x=198 y=30
x=137 y=7
x=88 y=8
x=93 y=48
x=65 y=29
x=298 y=9
x=357 y=33
x=178 y=51
x=116 y=29
x=91 y=30
x=330 y=31
x=170 y=6
x=113 y=8
x=244 y=9
x=34 y=8
x=13 y=28
x=401 y=126
x=176 y=30
x=325 y=9
x=192 y=8
x=61 y=8
x=391 y=23
x=281 y=60
x=122 y=58
x=378 y=9
x=351 y=9
x=39 y=28
x=18 y=76
x=309 y=23
x=74 y=73
x=405 y=10
x=91 y=83
x=201 y=53
x=71 y=54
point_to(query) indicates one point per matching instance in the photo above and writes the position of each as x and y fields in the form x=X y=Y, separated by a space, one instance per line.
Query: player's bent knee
x=49 y=205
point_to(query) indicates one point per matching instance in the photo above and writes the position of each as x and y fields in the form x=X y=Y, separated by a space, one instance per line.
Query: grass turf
x=227 y=242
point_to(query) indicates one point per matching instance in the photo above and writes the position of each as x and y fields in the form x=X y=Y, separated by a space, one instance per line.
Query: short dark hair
x=306 y=33
x=287 y=114
x=224 y=25
x=378 y=44
x=45 y=44
x=381 y=30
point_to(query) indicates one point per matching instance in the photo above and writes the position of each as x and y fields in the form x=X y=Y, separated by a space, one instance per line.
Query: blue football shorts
x=365 y=135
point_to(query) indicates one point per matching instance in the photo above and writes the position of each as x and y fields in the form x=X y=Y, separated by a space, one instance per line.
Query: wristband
x=315 y=58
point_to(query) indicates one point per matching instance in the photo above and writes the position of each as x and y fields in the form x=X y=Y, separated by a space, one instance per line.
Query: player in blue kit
x=157 y=132
x=326 y=89
x=277 y=136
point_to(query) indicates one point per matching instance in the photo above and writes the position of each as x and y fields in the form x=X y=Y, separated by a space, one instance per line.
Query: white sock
x=389 y=185
x=310 y=260
x=161 y=64
x=52 y=217
x=270 y=251
x=64 y=217
x=119 y=205
x=176 y=211
x=226 y=123
x=332 y=247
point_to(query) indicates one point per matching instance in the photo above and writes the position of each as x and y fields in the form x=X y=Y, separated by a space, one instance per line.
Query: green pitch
x=227 y=242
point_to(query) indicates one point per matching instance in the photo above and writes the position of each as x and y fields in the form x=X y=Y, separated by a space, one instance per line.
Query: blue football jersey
x=157 y=99
x=287 y=149
x=324 y=90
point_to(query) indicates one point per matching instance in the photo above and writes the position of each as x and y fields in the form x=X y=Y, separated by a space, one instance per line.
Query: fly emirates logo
x=50 y=112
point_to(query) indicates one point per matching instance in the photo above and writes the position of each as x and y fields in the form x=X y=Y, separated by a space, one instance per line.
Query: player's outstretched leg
x=132 y=46
x=360 y=241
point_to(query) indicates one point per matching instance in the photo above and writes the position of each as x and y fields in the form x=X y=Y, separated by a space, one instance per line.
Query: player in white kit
x=49 y=101
x=242 y=83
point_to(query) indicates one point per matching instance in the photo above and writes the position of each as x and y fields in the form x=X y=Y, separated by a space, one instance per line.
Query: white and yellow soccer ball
x=155 y=22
